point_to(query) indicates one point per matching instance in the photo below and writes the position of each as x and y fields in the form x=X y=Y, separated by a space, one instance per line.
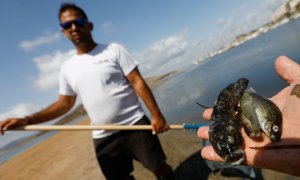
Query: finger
x=9 y=125
x=153 y=129
x=160 y=130
x=207 y=113
x=166 y=127
x=287 y=69
x=203 y=132
x=3 y=127
x=208 y=153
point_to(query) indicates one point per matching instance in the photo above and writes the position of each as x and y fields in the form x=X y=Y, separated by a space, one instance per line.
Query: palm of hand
x=282 y=158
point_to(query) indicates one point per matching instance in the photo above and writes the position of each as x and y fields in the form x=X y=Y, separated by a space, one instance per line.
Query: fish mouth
x=275 y=133
x=236 y=158
x=275 y=137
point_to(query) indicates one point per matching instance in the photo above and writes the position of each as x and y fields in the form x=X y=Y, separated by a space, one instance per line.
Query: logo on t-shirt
x=101 y=61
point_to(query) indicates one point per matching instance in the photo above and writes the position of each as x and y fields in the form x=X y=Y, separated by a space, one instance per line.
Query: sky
x=161 y=35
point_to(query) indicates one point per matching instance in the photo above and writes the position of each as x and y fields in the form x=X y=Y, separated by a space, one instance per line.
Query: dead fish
x=224 y=131
x=269 y=116
x=248 y=116
x=225 y=137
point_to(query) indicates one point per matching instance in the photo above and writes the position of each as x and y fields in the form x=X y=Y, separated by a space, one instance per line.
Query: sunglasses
x=77 y=22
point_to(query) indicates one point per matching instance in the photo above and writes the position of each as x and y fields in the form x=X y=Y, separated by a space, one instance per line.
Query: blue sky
x=162 y=35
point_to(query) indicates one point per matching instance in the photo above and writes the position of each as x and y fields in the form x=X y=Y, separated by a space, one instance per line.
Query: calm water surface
x=253 y=60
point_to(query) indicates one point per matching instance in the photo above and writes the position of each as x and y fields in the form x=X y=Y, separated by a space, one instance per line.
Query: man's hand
x=11 y=123
x=159 y=124
x=284 y=158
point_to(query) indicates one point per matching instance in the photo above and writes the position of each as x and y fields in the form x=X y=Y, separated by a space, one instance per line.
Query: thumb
x=287 y=69
x=153 y=129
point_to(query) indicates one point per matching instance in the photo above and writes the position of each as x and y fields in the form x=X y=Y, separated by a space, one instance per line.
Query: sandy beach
x=69 y=155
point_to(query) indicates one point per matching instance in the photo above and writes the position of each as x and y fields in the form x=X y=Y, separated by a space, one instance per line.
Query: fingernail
x=153 y=132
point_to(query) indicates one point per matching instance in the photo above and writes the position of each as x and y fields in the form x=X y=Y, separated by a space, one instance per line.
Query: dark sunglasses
x=77 y=22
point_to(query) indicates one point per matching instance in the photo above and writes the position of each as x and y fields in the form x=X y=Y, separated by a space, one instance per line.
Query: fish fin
x=251 y=89
x=206 y=107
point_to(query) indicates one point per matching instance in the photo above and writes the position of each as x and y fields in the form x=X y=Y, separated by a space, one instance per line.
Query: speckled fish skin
x=248 y=116
x=224 y=131
x=269 y=116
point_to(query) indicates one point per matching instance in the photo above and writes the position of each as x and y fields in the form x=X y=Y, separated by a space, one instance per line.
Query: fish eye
x=275 y=128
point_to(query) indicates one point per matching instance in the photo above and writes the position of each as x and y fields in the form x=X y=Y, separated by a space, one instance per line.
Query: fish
x=247 y=115
x=224 y=131
x=259 y=114
x=269 y=116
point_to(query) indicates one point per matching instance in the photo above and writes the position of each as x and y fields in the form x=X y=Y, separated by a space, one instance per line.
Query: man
x=107 y=80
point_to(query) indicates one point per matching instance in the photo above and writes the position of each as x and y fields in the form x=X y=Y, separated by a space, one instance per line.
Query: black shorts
x=116 y=152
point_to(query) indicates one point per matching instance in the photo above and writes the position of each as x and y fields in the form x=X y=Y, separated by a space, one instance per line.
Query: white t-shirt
x=98 y=78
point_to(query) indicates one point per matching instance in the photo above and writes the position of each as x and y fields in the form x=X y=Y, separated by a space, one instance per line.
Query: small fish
x=224 y=131
x=248 y=116
x=259 y=113
x=225 y=137
x=268 y=115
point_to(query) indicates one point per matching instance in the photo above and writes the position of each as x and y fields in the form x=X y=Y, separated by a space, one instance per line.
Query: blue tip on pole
x=193 y=126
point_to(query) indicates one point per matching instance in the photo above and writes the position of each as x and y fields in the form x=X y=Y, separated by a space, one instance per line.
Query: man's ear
x=63 y=31
x=91 y=25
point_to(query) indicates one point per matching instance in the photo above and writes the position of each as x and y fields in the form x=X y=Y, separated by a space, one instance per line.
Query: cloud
x=108 y=28
x=20 y=110
x=243 y=19
x=161 y=52
x=47 y=38
x=48 y=66
x=176 y=51
x=190 y=95
x=221 y=22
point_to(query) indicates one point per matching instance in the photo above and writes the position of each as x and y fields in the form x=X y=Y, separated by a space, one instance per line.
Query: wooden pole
x=89 y=127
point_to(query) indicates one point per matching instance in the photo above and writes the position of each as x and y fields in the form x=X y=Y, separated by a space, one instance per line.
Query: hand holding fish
x=281 y=155
x=159 y=124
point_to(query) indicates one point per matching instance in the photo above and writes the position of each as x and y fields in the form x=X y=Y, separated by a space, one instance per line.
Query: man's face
x=75 y=27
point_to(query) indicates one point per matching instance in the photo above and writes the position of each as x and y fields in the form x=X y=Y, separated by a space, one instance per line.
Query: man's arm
x=57 y=109
x=158 y=121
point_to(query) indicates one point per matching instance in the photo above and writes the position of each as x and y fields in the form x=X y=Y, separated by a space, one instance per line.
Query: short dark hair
x=66 y=6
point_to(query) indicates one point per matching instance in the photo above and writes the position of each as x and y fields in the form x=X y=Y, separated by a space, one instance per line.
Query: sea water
x=15 y=147
x=253 y=60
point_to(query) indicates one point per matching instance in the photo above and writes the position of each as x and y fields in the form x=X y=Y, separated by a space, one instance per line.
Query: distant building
x=286 y=10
